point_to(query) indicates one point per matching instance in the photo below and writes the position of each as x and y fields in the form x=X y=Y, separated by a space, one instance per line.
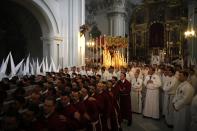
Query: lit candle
x=96 y=42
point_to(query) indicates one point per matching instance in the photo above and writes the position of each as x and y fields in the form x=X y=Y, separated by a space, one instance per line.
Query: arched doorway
x=20 y=32
x=35 y=28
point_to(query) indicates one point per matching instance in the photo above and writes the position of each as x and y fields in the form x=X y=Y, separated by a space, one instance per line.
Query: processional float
x=111 y=51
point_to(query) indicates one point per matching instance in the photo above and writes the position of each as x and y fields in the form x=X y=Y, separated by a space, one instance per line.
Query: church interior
x=63 y=63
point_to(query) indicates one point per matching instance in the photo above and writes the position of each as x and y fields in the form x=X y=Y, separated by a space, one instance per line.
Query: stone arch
x=43 y=14
x=48 y=23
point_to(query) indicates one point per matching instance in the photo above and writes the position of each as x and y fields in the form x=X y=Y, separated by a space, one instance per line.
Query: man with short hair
x=170 y=89
x=152 y=83
x=124 y=87
x=181 y=103
x=52 y=119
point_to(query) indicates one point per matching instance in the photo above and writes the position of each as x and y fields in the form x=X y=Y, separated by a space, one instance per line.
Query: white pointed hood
x=12 y=66
x=14 y=69
x=2 y=63
x=50 y=68
x=37 y=67
x=58 y=69
x=24 y=69
x=32 y=69
x=27 y=65
x=4 y=67
x=19 y=66
x=43 y=66
x=34 y=66
x=53 y=65
x=46 y=64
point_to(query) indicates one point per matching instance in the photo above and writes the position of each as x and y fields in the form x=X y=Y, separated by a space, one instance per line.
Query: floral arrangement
x=83 y=29
x=115 y=42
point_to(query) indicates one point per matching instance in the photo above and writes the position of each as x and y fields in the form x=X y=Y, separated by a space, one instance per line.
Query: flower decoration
x=83 y=29
x=115 y=42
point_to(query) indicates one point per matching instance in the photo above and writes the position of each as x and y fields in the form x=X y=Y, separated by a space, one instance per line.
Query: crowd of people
x=99 y=99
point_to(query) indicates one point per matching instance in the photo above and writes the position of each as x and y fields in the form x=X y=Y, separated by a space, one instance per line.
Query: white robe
x=104 y=76
x=128 y=76
x=151 y=107
x=83 y=72
x=170 y=90
x=164 y=95
x=110 y=75
x=181 y=102
x=136 y=95
x=193 y=81
x=193 y=126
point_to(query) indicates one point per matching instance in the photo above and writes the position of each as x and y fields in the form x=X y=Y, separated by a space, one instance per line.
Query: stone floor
x=145 y=124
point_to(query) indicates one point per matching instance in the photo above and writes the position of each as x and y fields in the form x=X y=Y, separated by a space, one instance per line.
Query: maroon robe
x=125 y=99
x=115 y=123
x=53 y=123
x=115 y=97
x=68 y=112
x=92 y=111
x=105 y=109
x=81 y=108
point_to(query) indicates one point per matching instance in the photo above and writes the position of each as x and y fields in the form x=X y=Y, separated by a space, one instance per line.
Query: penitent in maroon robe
x=92 y=111
x=125 y=99
x=53 y=123
x=105 y=109
x=68 y=112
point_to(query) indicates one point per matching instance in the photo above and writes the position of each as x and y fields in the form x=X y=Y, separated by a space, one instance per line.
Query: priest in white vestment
x=193 y=126
x=181 y=103
x=136 y=95
x=152 y=83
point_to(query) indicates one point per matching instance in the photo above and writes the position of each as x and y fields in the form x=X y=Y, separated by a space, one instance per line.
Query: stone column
x=51 y=48
x=72 y=16
x=77 y=44
x=117 y=18
x=117 y=21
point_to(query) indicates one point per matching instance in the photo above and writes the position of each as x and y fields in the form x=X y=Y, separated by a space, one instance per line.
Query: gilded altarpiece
x=158 y=26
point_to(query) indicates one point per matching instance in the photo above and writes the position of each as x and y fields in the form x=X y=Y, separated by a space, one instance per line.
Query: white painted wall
x=60 y=21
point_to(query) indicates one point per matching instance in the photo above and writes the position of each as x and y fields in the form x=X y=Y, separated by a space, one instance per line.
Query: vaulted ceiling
x=95 y=5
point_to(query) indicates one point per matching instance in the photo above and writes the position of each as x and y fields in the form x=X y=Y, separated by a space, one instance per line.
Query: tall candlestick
x=96 y=51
